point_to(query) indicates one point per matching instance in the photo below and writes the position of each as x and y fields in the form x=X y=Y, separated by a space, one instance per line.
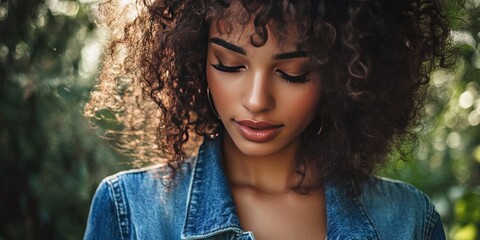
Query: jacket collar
x=210 y=206
x=211 y=209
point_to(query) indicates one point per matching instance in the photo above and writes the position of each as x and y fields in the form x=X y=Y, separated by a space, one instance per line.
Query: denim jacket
x=135 y=204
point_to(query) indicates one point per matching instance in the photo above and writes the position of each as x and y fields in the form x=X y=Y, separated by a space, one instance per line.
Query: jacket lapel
x=210 y=207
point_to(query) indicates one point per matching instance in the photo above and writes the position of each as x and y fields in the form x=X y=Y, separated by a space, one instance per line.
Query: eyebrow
x=228 y=45
x=242 y=51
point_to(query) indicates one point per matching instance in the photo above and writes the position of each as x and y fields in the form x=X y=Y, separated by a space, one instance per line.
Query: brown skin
x=262 y=174
x=281 y=215
x=267 y=204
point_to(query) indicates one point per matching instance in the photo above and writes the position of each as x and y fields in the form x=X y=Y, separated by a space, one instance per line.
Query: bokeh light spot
x=68 y=8
x=3 y=52
x=467 y=232
x=466 y=99
x=463 y=37
x=21 y=50
x=476 y=60
x=476 y=153
x=474 y=118
x=3 y=13
x=454 y=140
x=90 y=59
x=441 y=77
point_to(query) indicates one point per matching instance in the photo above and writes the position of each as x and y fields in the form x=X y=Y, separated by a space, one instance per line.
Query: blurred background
x=51 y=160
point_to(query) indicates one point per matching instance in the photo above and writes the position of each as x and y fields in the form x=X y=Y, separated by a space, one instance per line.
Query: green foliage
x=51 y=160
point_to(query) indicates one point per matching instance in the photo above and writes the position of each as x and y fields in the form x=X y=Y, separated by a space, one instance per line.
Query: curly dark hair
x=374 y=59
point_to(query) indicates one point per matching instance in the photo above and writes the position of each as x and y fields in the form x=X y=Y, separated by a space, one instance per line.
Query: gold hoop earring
x=321 y=126
x=211 y=103
x=320 y=130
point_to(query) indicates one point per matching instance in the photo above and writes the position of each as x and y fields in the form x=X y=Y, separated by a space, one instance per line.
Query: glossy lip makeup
x=259 y=132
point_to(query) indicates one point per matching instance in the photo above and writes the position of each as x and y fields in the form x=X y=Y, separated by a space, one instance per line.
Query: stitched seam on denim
x=189 y=197
x=428 y=209
x=365 y=214
x=219 y=231
x=190 y=209
x=430 y=217
x=244 y=235
x=429 y=220
x=120 y=206
x=111 y=192
x=136 y=171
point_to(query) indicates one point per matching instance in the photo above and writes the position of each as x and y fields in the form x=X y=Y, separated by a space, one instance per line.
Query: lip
x=257 y=131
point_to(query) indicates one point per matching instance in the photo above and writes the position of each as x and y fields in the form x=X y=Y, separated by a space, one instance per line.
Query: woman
x=297 y=101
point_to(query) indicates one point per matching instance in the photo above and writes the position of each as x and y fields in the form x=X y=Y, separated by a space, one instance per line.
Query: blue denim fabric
x=136 y=205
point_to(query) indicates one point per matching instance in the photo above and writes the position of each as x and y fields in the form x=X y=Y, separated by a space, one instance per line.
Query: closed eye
x=294 y=79
x=229 y=69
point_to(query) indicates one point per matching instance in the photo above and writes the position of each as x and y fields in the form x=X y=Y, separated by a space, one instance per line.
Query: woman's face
x=265 y=96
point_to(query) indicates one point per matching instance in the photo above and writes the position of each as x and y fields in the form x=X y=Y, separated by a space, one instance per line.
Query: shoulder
x=138 y=197
x=397 y=208
x=156 y=176
x=144 y=183
x=393 y=191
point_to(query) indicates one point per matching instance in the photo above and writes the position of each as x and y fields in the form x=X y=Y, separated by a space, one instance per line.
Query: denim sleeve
x=103 y=221
x=438 y=233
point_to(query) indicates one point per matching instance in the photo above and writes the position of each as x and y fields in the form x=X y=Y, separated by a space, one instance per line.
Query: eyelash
x=289 y=78
x=220 y=67
x=293 y=79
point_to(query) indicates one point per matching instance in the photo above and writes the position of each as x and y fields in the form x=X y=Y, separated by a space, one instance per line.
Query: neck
x=273 y=173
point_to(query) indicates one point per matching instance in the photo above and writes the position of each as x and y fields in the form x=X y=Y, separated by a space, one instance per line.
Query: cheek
x=303 y=104
x=306 y=109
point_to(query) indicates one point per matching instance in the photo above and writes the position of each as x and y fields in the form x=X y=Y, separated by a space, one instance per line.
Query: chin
x=253 y=149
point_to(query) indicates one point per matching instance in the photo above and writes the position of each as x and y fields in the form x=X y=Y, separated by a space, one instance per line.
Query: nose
x=257 y=96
